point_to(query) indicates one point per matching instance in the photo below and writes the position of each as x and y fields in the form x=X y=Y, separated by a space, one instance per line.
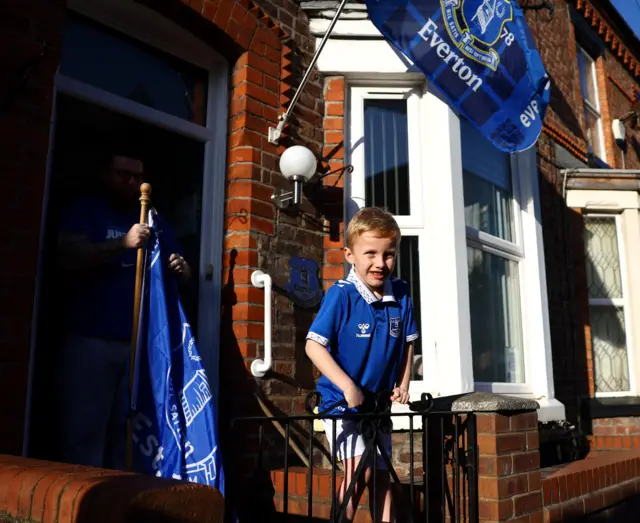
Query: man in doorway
x=98 y=241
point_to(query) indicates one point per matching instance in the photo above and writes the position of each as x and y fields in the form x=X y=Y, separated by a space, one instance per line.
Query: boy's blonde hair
x=372 y=219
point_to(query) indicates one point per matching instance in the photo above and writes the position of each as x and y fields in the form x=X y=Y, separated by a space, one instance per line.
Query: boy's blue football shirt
x=364 y=334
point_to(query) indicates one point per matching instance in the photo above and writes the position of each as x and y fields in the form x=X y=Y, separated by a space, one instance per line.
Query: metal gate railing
x=439 y=483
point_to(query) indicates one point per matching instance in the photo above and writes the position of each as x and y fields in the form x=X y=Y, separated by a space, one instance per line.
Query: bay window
x=493 y=256
x=467 y=213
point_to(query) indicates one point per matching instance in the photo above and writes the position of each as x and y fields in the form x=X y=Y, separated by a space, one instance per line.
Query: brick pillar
x=333 y=162
x=509 y=483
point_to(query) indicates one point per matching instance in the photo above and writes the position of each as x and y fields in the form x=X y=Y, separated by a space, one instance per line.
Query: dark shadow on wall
x=251 y=449
x=236 y=388
x=563 y=235
x=635 y=145
x=562 y=108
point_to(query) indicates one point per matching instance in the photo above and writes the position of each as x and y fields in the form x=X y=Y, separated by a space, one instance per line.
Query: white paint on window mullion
x=535 y=311
x=355 y=186
x=624 y=278
x=445 y=214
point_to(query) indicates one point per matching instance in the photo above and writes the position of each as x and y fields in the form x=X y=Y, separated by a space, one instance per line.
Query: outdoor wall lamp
x=632 y=118
x=297 y=164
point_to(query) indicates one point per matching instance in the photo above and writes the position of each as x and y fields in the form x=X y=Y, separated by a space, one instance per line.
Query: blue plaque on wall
x=304 y=287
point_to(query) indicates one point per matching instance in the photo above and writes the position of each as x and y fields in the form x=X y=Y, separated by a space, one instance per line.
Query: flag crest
x=480 y=54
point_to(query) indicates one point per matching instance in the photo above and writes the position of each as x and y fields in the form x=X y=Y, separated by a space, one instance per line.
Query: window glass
x=587 y=78
x=387 y=155
x=488 y=208
x=496 y=332
x=606 y=305
x=109 y=60
x=408 y=269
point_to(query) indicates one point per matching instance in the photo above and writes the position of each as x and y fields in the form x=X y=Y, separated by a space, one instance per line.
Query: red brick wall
x=620 y=90
x=32 y=490
x=268 y=46
x=563 y=241
x=566 y=284
x=25 y=115
x=584 y=488
x=615 y=433
x=275 y=51
x=334 y=146
x=555 y=39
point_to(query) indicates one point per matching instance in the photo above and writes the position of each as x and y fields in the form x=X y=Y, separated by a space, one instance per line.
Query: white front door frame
x=151 y=28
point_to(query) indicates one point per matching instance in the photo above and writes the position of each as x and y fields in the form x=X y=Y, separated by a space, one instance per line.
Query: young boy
x=361 y=341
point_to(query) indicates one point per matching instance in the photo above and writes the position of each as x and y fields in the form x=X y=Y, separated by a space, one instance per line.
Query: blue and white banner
x=174 y=431
x=480 y=54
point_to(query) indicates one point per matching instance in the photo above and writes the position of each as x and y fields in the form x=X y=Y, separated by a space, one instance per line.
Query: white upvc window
x=612 y=250
x=591 y=102
x=386 y=129
x=495 y=254
x=471 y=245
x=608 y=308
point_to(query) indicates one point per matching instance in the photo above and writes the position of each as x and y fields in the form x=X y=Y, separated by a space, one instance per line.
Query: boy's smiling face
x=373 y=258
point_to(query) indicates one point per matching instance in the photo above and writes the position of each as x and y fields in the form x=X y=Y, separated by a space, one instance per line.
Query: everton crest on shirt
x=481 y=56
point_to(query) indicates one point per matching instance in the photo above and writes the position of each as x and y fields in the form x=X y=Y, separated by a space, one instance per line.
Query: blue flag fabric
x=481 y=56
x=174 y=432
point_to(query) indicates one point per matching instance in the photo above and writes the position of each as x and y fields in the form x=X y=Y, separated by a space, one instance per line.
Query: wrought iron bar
x=439 y=430
x=411 y=462
x=285 y=501
x=455 y=467
x=443 y=473
x=310 y=474
x=425 y=467
x=472 y=466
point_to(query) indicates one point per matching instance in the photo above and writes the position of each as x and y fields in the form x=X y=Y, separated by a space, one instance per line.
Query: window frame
x=445 y=325
x=373 y=63
x=617 y=303
x=151 y=28
x=513 y=251
x=357 y=189
x=422 y=227
x=589 y=107
x=412 y=225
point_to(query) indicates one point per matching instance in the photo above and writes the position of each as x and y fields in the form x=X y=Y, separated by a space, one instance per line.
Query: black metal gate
x=440 y=483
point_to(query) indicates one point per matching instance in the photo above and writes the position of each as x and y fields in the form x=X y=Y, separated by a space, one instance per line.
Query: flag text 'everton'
x=481 y=56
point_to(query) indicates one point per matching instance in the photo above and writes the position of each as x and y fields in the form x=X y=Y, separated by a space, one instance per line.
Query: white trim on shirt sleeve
x=413 y=337
x=318 y=339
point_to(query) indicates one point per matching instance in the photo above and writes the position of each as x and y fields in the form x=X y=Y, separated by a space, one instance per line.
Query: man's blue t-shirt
x=101 y=302
x=365 y=335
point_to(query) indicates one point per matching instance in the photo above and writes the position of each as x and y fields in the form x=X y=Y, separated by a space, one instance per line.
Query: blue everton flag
x=174 y=432
x=482 y=57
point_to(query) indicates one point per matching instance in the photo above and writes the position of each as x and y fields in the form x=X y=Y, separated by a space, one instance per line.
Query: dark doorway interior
x=173 y=165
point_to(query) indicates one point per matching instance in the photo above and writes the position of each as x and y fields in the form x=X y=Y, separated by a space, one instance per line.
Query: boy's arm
x=405 y=376
x=321 y=358
x=400 y=393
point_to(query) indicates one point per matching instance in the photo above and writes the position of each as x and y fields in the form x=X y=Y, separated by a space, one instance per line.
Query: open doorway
x=173 y=164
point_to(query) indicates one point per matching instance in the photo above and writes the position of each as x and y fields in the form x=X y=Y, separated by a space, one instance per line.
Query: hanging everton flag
x=174 y=432
x=482 y=57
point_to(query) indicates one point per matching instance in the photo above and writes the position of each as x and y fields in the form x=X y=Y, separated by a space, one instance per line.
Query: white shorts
x=351 y=444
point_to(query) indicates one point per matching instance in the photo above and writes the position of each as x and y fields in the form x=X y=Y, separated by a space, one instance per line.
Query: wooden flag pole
x=145 y=202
